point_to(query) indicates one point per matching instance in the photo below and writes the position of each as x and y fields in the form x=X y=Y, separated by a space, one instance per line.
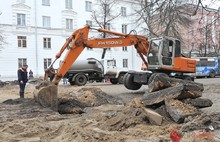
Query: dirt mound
x=203 y=121
x=76 y=101
x=4 y=83
x=96 y=97
x=35 y=80
x=17 y=101
x=21 y=109
x=73 y=101
x=71 y=106
x=123 y=119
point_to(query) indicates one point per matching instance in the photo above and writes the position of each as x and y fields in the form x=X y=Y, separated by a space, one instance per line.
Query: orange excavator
x=159 y=55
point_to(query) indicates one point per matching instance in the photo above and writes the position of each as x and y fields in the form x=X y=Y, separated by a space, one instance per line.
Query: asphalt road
x=208 y=81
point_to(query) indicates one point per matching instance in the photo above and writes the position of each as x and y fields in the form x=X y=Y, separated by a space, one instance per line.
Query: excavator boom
x=46 y=93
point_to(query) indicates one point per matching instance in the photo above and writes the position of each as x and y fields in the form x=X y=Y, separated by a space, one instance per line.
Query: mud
x=101 y=116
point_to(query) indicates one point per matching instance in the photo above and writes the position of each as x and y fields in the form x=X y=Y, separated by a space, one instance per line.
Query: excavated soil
x=98 y=114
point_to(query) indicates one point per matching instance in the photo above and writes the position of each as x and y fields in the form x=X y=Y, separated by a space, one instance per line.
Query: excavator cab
x=162 y=52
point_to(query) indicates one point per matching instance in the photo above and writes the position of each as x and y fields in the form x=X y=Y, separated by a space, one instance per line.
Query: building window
x=124 y=48
x=21 y=62
x=46 y=2
x=46 y=21
x=47 y=62
x=124 y=29
x=108 y=26
x=88 y=6
x=22 y=41
x=21 y=21
x=89 y=23
x=68 y=4
x=123 y=11
x=69 y=23
x=125 y=63
x=47 y=43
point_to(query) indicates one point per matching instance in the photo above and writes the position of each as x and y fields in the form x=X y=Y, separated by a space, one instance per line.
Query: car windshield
x=111 y=63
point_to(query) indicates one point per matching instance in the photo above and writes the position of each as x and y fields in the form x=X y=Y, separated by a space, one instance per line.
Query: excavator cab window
x=177 y=49
x=167 y=52
x=154 y=51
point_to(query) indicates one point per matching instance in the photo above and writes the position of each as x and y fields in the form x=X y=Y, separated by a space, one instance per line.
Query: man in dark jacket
x=22 y=79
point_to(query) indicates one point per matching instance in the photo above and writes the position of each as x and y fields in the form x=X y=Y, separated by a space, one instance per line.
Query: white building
x=35 y=30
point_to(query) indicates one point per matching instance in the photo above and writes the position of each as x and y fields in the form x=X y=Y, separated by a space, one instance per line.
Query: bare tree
x=210 y=30
x=164 y=17
x=105 y=15
x=173 y=18
x=2 y=40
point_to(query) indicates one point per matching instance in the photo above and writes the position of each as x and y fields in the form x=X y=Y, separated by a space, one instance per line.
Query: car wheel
x=121 y=78
x=212 y=74
x=80 y=80
x=114 y=80
x=72 y=83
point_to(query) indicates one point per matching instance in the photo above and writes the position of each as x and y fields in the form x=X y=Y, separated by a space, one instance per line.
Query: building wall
x=35 y=32
x=204 y=29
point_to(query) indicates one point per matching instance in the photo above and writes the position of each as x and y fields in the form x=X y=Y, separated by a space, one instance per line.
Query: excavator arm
x=79 y=40
x=47 y=94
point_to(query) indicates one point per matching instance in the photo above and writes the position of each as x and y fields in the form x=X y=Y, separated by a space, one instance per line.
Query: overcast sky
x=211 y=3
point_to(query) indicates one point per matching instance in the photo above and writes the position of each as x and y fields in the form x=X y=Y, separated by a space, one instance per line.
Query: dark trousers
x=22 y=87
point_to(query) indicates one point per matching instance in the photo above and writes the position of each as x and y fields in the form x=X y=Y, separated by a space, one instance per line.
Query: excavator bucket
x=46 y=95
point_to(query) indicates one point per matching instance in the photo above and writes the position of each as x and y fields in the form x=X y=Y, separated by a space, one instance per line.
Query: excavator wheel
x=125 y=76
x=46 y=95
x=129 y=84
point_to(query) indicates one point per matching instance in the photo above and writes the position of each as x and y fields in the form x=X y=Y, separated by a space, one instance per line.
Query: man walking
x=22 y=79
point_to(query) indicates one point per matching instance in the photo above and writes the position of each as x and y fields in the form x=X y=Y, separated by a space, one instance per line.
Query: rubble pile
x=168 y=100
x=4 y=83
x=35 y=80
x=180 y=98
